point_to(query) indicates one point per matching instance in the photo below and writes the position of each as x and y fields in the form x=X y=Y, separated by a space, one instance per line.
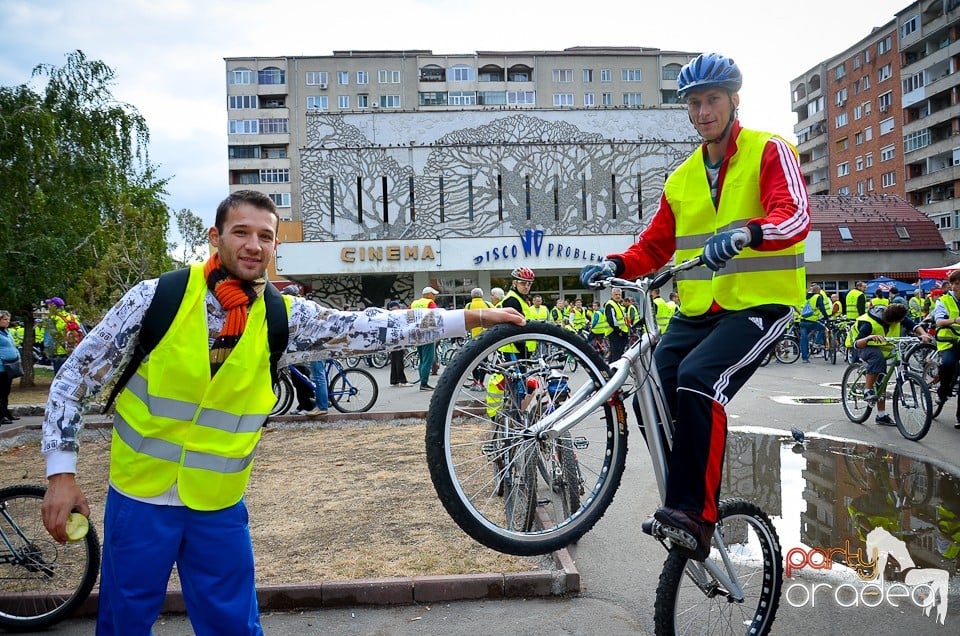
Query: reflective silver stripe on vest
x=230 y=423
x=156 y=448
x=216 y=463
x=168 y=451
x=160 y=406
x=746 y=265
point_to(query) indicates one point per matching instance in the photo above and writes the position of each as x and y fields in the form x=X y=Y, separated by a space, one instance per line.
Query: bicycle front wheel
x=852 y=390
x=41 y=581
x=912 y=407
x=692 y=601
x=787 y=350
x=353 y=391
x=479 y=443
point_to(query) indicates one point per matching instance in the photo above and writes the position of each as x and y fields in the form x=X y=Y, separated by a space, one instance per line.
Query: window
x=563 y=99
x=363 y=101
x=886 y=126
x=910 y=25
x=492 y=98
x=606 y=75
x=914 y=82
x=841 y=120
x=856 y=87
x=633 y=99
x=244 y=152
x=869 y=159
x=858 y=163
x=843 y=169
x=885 y=101
x=606 y=99
x=274 y=152
x=858 y=139
x=275 y=175
x=670 y=72
x=518 y=75
x=630 y=75
x=841 y=97
x=843 y=190
x=885 y=72
x=866 y=56
x=865 y=80
x=243 y=126
x=856 y=62
x=884 y=45
x=845 y=233
x=433 y=98
x=587 y=75
x=857 y=112
x=242 y=101
x=273 y=102
x=588 y=99
x=272 y=75
x=249 y=178
x=434 y=73
x=843 y=144
x=317 y=78
x=318 y=102
x=281 y=199
x=888 y=179
x=273 y=126
x=868 y=133
x=521 y=97
x=887 y=153
x=388 y=77
x=462 y=98
x=859 y=187
x=363 y=77
x=343 y=78
x=902 y=232
x=461 y=73
x=916 y=140
x=562 y=75
x=869 y=184
x=343 y=101
x=240 y=76
x=840 y=71
x=389 y=101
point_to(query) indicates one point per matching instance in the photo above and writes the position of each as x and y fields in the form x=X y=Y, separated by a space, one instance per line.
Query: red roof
x=873 y=221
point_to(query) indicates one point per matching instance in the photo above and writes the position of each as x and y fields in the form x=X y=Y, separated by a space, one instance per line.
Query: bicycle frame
x=637 y=363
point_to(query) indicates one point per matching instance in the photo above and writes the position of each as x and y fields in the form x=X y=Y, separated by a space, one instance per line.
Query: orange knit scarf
x=235 y=296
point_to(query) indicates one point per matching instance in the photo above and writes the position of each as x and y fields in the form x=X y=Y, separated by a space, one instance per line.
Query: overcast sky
x=168 y=54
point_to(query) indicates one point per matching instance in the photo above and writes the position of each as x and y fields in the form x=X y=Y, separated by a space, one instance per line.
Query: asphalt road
x=619 y=566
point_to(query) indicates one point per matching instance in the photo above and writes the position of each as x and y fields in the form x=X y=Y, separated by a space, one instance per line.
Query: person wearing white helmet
x=740 y=193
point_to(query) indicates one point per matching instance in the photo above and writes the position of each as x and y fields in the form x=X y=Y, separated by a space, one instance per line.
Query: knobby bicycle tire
x=45 y=582
x=475 y=440
x=912 y=407
x=353 y=391
x=753 y=548
x=284 y=390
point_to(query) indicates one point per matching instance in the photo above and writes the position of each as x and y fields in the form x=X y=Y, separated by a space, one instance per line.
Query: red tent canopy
x=938 y=272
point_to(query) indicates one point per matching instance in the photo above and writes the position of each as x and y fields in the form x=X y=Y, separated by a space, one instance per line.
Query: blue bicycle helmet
x=709 y=69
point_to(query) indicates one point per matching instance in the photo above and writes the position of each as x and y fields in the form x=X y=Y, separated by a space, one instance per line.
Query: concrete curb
x=562 y=581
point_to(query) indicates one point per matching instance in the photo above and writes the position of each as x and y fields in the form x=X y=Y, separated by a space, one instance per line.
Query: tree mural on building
x=499 y=178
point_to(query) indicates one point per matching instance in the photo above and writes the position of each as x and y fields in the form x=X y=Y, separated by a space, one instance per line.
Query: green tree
x=193 y=233
x=82 y=208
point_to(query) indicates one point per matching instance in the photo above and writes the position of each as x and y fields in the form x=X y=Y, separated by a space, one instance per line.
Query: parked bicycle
x=377 y=360
x=349 y=390
x=486 y=453
x=912 y=404
x=41 y=581
x=786 y=350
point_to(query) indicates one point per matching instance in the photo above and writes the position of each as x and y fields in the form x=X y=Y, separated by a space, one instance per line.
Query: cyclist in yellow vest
x=619 y=333
x=428 y=350
x=740 y=193
x=477 y=302
x=662 y=309
x=879 y=299
x=517 y=299
x=189 y=420
x=915 y=306
x=856 y=301
x=578 y=316
x=871 y=332
x=946 y=318
x=538 y=311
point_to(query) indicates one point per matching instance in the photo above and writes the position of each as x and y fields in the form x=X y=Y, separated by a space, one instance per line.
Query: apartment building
x=882 y=116
x=397 y=169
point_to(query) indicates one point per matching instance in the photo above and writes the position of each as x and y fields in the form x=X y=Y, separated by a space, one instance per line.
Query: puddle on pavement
x=846 y=499
x=791 y=399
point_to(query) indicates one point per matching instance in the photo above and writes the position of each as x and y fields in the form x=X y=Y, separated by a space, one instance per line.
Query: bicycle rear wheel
x=41 y=581
x=353 y=391
x=477 y=440
x=691 y=601
x=852 y=390
x=787 y=350
x=283 y=389
x=912 y=407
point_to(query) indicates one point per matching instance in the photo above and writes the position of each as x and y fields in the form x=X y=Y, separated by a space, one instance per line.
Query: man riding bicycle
x=740 y=193
x=946 y=317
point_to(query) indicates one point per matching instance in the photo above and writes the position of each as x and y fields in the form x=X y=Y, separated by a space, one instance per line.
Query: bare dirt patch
x=325 y=504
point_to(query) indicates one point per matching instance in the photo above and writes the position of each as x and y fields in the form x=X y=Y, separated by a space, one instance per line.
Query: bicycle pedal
x=662 y=532
x=581 y=443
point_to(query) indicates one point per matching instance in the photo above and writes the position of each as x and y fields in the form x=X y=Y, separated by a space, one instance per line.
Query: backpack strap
x=156 y=321
x=171 y=288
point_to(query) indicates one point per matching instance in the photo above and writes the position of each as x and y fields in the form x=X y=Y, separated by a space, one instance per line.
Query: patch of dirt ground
x=335 y=503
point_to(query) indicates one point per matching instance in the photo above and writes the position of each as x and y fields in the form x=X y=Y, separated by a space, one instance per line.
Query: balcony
x=931 y=179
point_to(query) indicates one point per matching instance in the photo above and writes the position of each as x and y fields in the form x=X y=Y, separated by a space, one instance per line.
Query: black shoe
x=884 y=420
x=690 y=536
x=5 y=420
x=426 y=387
